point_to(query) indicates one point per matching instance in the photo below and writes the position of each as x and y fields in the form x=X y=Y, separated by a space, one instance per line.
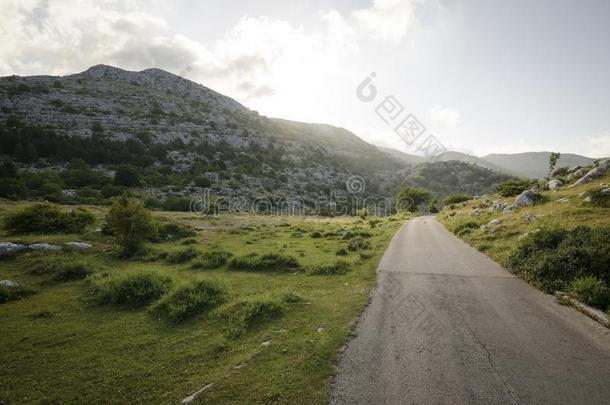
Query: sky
x=487 y=76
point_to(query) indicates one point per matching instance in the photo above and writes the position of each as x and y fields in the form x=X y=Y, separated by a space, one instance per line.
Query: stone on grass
x=594 y=173
x=8 y=248
x=9 y=284
x=553 y=184
x=528 y=197
x=79 y=245
x=45 y=247
x=494 y=222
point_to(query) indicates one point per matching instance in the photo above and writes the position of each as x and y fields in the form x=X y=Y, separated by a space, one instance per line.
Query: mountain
x=176 y=131
x=534 y=164
x=530 y=164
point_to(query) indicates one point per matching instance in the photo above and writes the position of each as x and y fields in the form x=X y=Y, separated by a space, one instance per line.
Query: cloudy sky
x=483 y=76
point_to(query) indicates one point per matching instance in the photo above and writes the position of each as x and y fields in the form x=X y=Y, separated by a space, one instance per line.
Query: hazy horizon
x=487 y=78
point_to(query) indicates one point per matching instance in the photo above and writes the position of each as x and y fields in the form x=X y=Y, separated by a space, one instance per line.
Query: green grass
x=59 y=345
x=550 y=213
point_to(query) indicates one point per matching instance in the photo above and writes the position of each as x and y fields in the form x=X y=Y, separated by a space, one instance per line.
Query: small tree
x=411 y=198
x=127 y=175
x=131 y=224
x=553 y=158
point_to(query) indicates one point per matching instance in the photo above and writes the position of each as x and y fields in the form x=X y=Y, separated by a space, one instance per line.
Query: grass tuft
x=133 y=290
x=190 y=299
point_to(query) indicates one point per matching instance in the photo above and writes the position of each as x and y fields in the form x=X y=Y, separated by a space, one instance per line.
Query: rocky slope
x=153 y=118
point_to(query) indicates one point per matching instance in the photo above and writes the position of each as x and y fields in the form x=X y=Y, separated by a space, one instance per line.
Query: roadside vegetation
x=560 y=243
x=155 y=310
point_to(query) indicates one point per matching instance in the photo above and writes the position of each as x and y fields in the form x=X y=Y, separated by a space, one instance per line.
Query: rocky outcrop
x=526 y=198
x=553 y=184
x=600 y=170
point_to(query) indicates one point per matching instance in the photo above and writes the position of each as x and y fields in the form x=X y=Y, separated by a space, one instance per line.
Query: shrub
x=176 y=204
x=63 y=267
x=269 y=261
x=514 y=187
x=132 y=289
x=127 y=175
x=212 y=260
x=202 y=181
x=464 y=226
x=190 y=299
x=174 y=230
x=590 y=290
x=315 y=234
x=248 y=313
x=411 y=198
x=182 y=256
x=342 y=252
x=357 y=244
x=553 y=257
x=109 y=191
x=47 y=218
x=335 y=269
x=599 y=199
x=131 y=223
x=455 y=199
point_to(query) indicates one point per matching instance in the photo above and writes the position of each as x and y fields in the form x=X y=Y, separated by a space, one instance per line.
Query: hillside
x=177 y=131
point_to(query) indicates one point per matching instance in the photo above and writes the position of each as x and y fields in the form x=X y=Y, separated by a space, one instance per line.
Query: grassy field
x=553 y=210
x=59 y=345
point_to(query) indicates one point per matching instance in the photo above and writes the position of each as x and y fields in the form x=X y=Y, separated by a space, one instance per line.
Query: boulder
x=495 y=229
x=606 y=192
x=553 y=184
x=600 y=170
x=9 y=284
x=559 y=171
x=578 y=173
x=45 y=247
x=494 y=222
x=574 y=169
x=497 y=206
x=79 y=245
x=8 y=248
x=524 y=199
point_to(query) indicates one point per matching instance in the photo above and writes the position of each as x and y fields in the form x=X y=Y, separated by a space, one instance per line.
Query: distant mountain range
x=527 y=164
x=175 y=130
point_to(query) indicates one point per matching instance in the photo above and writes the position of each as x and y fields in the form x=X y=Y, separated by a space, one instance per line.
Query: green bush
x=211 y=260
x=357 y=244
x=342 y=252
x=464 y=226
x=411 y=198
x=590 y=290
x=127 y=176
x=182 y=256
x=315 y=234
x=269 y=261
x=455 y=199
x=251 y=312
x=176 y=204
x=134 y=289
x=63 y=266
x=553 y=257
x=174 y=230
x=599 y=199
x=131 y=224
x=190 y=299
x=514 y=187
x=47 y=218
x=334 y=269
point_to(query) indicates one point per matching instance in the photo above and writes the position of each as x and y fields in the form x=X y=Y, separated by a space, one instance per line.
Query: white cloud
x=598 y=145
x=444 y=118
x=387 y=20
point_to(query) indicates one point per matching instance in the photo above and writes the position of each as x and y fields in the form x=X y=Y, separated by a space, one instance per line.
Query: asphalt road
x=447 y=325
